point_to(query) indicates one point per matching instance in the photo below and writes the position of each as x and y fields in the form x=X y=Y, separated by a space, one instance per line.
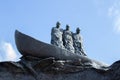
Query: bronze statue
x=77 y=40
x=67 y=39
x=56 y=36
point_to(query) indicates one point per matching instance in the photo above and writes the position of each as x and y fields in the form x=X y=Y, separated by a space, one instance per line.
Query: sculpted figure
x=67 y=39
x=56 y=36
x=78 y=43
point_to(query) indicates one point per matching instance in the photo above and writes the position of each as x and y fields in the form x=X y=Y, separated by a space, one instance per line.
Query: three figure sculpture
x=66 y=39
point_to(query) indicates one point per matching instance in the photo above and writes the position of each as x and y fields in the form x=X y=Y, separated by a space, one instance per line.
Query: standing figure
x=56 y=36
x=67 y=39
x=77 y=40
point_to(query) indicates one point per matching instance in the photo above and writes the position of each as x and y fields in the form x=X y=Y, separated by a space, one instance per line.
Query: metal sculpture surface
x=56 y=36
x=78 y=44
x=67 y=39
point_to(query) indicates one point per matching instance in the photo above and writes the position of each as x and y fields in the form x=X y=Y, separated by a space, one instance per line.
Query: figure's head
x=58 y=25
x=78 y=30
x=67 y=27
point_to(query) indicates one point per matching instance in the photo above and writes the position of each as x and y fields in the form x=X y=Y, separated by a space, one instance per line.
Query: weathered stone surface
x=51 y=69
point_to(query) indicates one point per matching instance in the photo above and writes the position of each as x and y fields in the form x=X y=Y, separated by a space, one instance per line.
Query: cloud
x=7 y=53
x=114 y=13
x=99 y=5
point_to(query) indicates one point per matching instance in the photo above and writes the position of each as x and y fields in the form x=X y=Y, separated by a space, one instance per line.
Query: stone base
x=30 y=68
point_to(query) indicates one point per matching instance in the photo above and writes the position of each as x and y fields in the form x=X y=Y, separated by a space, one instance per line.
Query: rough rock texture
x=30 y=68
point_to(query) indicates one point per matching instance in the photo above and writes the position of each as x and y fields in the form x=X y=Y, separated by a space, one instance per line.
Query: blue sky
x=99 y=21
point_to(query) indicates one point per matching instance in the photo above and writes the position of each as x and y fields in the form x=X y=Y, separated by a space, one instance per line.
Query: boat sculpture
x=29 y=46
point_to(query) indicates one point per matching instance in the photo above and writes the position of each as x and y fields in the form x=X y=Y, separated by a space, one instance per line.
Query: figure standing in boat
x=77 y=40
x=56 y=36
x=67 y=39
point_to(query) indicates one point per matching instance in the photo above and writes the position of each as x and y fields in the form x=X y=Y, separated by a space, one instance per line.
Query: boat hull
x=27 y=45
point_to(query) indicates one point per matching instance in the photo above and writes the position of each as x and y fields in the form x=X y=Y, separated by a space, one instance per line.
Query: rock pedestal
x=33 y=68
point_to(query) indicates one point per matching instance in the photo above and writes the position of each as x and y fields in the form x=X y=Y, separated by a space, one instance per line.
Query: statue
x=43 y=61
x=78 y=43
x=67 y=39
x=56 y=36
x=47 y=57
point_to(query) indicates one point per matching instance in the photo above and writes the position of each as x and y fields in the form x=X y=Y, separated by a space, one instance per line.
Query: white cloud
x=110 y=11
x=7 y=53
x=99 y=5
x=117 y=24
x=114 y=13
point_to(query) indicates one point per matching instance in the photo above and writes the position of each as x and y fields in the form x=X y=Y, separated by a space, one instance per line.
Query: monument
x=43 y=61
